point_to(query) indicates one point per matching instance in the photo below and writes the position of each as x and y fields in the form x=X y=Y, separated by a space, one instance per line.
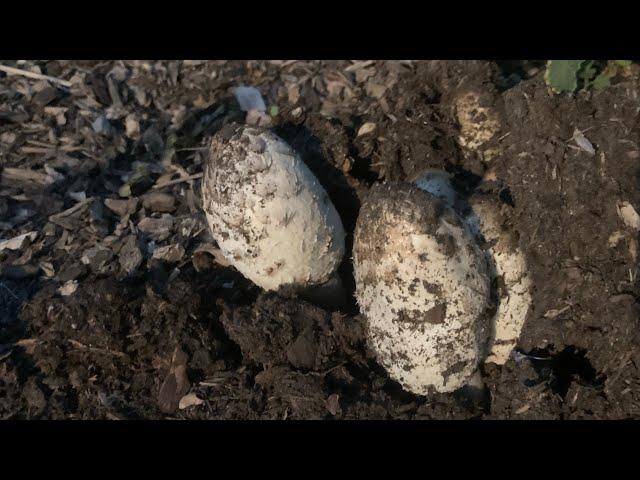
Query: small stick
x=36 y=149
x=35 y=76
x=82 y=346
x=178 y=180
x=192 y=149
x=40 y=144
x=69 y=211
x=24 y=175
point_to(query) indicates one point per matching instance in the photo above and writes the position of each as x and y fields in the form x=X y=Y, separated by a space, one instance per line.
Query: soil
x=98 y=321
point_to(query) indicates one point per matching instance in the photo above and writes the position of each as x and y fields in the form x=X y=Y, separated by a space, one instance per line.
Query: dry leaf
x=216 y=253
x=333 y=404
x=614 y=238
x=366 y=128
x=47 y=268
x=29 y=344
x=68 y=288
x=189 y=401
x=553 y=313
x=176 y=384
x=583 y=142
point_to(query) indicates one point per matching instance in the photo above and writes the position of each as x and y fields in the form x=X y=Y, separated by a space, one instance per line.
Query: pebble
x=101 y=125
x=159 y=202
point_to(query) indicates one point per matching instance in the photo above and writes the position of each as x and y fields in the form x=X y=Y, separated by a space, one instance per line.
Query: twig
x=24 y=175
x=35 y=76
x=178 y=180
x=36 y=150
x=78 y=206
x=82 y=346
x=40 y=144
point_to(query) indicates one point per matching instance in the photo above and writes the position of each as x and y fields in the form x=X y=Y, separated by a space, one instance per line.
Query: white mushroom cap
x=506 y=262
x=509 y=265
x=438 y=183
x=270 y=216
x=423 y=286
x=478 y=123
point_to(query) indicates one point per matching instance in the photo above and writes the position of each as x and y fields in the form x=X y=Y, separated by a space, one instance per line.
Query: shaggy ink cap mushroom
x=508 y=264
x=479 y=121
x=270 y=216
x=423 y=286
x=505 y=260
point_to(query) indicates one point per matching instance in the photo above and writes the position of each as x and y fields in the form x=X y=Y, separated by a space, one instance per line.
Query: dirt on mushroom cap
x=423 y=286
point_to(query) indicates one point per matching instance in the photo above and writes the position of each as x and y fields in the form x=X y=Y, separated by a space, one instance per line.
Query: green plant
x=571 y=75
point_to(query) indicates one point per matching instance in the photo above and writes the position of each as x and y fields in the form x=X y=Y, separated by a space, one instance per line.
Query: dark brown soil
x=139 y=334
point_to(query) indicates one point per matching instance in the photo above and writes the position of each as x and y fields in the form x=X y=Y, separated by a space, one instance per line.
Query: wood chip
x=358 y=65
x=21 y=175
x=16 y=243
x=35 y=76
x=629 y=215
x=58 y=218
x=68 y=288
x=47 y=269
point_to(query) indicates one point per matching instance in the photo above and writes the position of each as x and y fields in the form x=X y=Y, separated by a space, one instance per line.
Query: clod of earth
x=268 y=213
x=423 y=285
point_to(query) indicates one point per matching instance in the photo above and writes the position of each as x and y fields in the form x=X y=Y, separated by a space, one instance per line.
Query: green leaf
x=623 y=63
x=273 y=111
x=601 y=81
x=587 y=73
x=562 y=75
x=588 y=70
